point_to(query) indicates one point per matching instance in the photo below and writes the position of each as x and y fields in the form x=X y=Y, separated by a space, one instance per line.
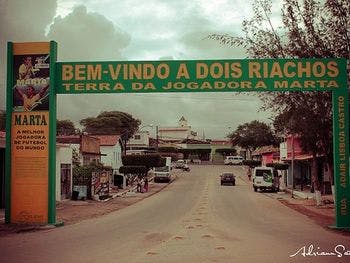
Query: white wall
x=283 y=151
x=173 y=134
x=113 y=156
x=64 y=155
x=142 y=141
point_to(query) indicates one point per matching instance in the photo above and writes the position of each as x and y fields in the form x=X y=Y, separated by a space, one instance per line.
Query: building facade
x=177 y=133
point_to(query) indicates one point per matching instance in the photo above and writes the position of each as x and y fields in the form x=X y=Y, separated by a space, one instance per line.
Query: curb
x=299 y=194
x=124 y=192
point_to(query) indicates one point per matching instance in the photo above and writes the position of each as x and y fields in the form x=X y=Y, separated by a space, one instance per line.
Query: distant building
x=292 y=153
x=267 y=154
x=219 y=144
x=177 y=133
x=201 y=149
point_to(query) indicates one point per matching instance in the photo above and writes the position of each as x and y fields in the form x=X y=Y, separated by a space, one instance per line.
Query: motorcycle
x=185 y=167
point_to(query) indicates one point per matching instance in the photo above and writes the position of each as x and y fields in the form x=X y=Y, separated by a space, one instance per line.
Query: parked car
x=233 y=160
x=227 y=178
x=265 y=178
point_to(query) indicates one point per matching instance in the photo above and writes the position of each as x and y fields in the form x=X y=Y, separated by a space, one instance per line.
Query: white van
x=233 y=159
x=265 y=178
x=163 y=173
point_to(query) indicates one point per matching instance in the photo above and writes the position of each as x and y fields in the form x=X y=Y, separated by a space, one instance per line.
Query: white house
x=111 y=151
x=64 y=173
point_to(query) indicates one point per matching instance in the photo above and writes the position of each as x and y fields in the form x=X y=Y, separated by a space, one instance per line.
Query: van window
x=263 y=173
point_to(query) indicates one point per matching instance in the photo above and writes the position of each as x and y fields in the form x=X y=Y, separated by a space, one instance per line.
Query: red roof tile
x=74 y=139
x=107 y=140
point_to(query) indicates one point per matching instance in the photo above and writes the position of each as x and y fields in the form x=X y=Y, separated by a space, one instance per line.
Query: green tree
x=111 y=122
x=2 y=120
x=202 y=154
x=147 y=160
x=252 y=135
x=65 y=127
x=139 y=165
x=310 y=30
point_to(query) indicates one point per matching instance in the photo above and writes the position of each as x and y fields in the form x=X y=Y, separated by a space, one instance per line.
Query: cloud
x=81 y=35
x=86 y=35
x=25 y=20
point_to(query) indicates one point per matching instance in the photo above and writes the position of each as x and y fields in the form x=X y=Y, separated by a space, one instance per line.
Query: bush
x=148 y=160
x=202 y=154
x=133 y=169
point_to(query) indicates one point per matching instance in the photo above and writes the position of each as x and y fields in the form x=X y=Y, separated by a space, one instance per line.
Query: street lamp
x=157 y=133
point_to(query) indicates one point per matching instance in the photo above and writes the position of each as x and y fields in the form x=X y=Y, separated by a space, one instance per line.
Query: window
x=137 y=137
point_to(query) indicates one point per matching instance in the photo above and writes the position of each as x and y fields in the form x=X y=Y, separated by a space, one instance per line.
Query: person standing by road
x=139 y=185
x=249 y=173
x=146 y=185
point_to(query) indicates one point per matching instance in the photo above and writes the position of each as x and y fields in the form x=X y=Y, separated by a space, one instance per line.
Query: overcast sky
x=138 y=30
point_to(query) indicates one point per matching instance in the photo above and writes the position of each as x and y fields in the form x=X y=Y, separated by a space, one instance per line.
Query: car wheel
x=233 y=184
x=255 y=189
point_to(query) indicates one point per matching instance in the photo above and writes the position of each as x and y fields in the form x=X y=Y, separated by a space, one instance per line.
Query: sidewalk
x=304 y=202
x=71 y=212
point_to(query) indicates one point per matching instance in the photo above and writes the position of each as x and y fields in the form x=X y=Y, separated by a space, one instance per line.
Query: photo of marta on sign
x=31 y=78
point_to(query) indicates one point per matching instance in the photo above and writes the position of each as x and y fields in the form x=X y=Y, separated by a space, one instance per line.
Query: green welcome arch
x=31 y=126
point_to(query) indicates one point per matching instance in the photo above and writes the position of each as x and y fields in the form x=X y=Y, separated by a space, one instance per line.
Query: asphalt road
x=194 y=219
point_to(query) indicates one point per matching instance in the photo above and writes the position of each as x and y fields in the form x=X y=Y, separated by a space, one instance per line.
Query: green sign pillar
x=341 y=158
x=30 y=179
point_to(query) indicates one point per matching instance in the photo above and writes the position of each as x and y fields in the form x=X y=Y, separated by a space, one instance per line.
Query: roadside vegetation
x=309 y=29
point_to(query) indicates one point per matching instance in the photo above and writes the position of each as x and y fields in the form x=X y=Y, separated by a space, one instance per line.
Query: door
x=66 y=181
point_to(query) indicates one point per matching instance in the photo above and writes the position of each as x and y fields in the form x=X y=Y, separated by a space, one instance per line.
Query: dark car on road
x=227 y=178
